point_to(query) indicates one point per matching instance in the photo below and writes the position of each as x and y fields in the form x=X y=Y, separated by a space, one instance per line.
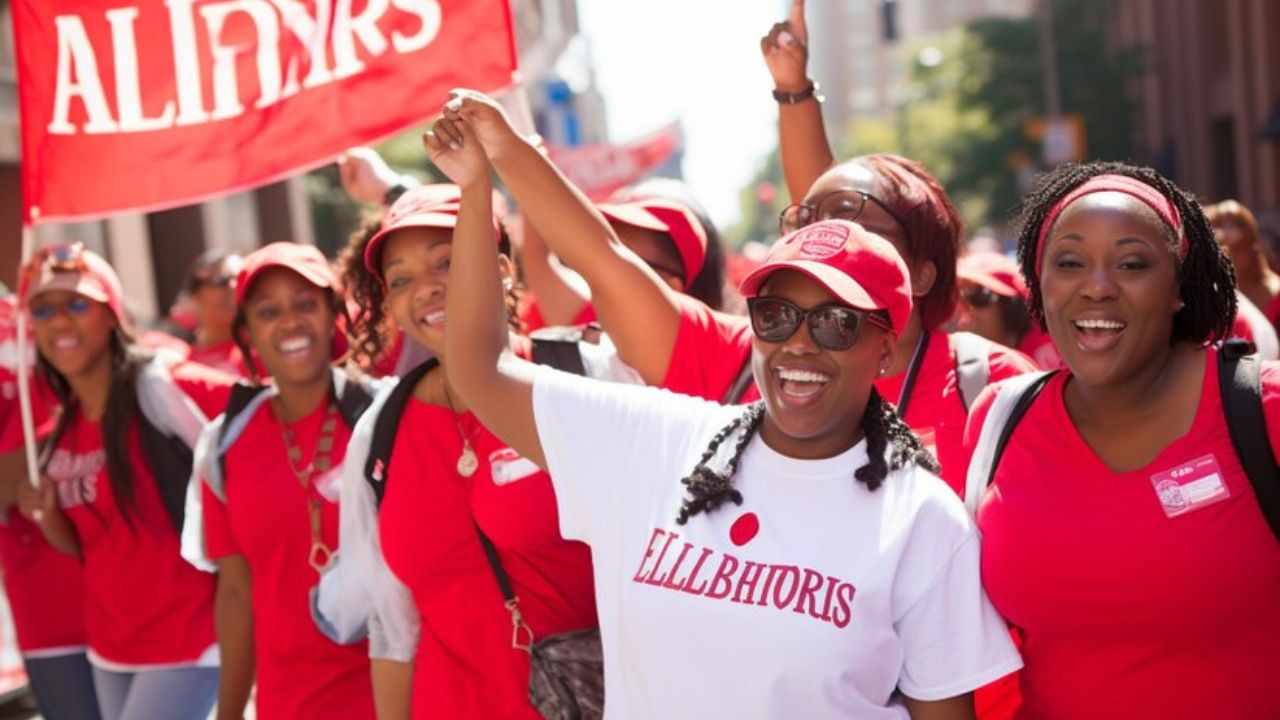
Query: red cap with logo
x=427 y=206
x=304 y=260
x=73 y=268
x=994 y=272
x=670 y=218
x=858 y=267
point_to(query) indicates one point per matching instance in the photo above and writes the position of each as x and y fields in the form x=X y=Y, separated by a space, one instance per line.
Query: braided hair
x=1206 y=280
x=881 y=425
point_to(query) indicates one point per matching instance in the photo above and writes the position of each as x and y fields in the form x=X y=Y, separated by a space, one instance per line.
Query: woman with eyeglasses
x=790 y=558
x=993 y=304
x=936 y=376
x=115 y=477
x=211 y=285
x=44 y=587
x=1122 y=535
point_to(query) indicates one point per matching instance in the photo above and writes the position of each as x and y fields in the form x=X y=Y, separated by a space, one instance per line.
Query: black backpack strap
x=973 y=365
x=353 y=396
x=562 y=354
x=386 y=425
x=1240 y=380
x=171 y=462
x=1020 y=409
x=242 y=394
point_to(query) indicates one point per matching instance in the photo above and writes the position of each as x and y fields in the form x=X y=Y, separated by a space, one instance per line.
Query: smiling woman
x=844 y=572
x=1122 y=536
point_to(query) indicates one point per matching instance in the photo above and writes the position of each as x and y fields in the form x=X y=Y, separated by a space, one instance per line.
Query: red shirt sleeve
x=711 y=348
x=218 y=541
x=1271 y=402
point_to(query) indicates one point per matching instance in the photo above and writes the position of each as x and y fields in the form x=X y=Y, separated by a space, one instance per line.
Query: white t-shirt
x=814 y=598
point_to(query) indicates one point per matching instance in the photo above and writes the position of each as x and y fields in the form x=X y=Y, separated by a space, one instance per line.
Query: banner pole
x=24 y=370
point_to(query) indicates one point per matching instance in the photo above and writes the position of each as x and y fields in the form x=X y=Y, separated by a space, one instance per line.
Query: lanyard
x=320 y=555
x=909 y=383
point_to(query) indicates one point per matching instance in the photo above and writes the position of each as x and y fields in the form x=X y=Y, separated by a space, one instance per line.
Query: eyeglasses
x=978 y=297
x=832 y=327
x=842 y=204
x=75 y=307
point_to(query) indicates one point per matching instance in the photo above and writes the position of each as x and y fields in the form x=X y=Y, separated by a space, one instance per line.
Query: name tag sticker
x=1190 y=487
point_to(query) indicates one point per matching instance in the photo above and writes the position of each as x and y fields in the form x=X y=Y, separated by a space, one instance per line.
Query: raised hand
x=786 y=51
x=453 y=146
x=365 y=175
x=487 y=118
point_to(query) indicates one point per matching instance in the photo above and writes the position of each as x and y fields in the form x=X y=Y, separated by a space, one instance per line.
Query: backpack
x=1239 y=379
x=560 y=351
x=353 y=398
x=973 y=366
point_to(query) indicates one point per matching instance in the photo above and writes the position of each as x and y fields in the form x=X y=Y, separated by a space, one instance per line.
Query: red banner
x=599 y=170
x=145 y=104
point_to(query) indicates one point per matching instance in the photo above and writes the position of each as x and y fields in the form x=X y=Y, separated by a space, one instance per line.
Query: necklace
x=320 y=555
x=467 y=462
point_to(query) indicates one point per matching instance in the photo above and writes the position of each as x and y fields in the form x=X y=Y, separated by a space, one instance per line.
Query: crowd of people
x=550 y=463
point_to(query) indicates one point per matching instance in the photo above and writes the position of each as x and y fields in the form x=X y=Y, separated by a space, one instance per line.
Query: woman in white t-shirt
x=793 y=558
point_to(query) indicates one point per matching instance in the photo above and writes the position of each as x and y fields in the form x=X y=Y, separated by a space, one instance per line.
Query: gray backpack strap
x=1013 y=398
x=973 y=365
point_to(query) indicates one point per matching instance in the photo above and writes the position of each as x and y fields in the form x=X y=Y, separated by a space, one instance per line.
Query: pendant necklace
x=467 y=461
x=321 y=555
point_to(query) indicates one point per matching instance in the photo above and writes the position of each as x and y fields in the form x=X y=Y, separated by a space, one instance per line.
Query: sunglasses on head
x=832 y=327
x=75 y=307
x=843 y=204
x=978 y=297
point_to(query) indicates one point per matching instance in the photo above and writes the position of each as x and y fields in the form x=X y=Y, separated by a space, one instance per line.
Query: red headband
x=1134 y=188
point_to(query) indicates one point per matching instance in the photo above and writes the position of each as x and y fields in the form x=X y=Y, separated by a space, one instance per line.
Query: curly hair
x=883 y=429
x=371 y=329
x=1206 y=280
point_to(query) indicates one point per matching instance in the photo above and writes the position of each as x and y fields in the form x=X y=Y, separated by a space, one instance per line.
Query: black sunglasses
x=978 y=297
x=842 y=204
x=832 y=327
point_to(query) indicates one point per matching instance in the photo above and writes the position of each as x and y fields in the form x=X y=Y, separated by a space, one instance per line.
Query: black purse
x=566 y=671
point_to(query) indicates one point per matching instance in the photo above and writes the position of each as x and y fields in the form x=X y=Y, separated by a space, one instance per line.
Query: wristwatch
x=796 y=98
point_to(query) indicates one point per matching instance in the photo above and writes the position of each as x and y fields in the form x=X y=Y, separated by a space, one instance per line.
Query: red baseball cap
x=426 y=206
x=304 y=260
x=859 y=267
x=669 y=218
x=76 y=269
x=994 y=272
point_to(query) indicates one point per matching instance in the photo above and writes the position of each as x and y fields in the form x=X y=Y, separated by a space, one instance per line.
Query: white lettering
x=311 y=32
x=186 y=64
x=128 y=96
x=77 y=76
x=427 y=11
x=226 y=91
x=346 y=28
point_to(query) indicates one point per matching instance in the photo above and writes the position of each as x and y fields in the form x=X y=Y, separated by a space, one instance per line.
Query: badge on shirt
x=1190 y=487
x=507 y=466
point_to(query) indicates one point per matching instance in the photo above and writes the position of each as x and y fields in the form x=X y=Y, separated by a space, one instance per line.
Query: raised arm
x=634 y=305
x=806 y=154
x=560 y=292
x=494 y=384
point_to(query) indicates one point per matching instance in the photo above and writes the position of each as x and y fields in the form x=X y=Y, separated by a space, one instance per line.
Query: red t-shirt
x=465 y=666
x=1272 y=311
x=711 y=350
x=266 y=519
x=224 y=357
x=45 y=587
x=144 y=604
x=1126 y=611
x=936 y=410
x=531 y=315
